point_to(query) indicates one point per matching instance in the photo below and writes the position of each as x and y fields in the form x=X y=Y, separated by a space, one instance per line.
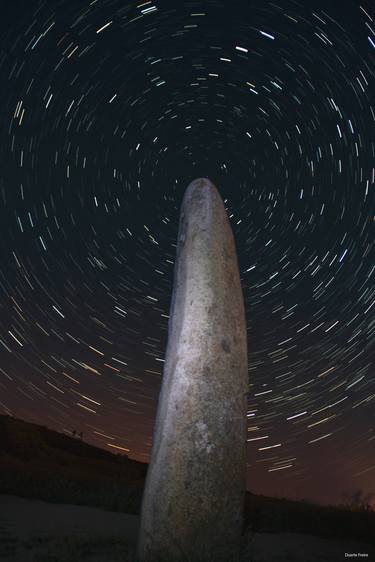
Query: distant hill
x=37 y=462
x=30 y=441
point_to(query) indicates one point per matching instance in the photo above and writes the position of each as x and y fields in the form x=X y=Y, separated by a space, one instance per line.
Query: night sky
x=109 y=109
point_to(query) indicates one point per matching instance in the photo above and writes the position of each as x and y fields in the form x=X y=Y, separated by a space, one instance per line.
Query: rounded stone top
x=200 y=183
x=201 y=189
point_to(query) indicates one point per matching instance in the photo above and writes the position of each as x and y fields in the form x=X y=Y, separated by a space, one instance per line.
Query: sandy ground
x=24 y=518
x=36 y=531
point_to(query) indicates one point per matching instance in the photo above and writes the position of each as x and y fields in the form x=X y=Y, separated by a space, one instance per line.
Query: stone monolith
x=194 y=494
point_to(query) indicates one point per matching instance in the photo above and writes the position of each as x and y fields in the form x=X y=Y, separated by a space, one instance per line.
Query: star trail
x=108 y=110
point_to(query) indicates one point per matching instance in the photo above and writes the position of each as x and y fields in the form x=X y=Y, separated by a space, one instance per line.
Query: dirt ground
x=37 y=531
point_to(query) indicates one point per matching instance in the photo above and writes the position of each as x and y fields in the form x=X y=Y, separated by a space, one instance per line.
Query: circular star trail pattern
x=109 y=110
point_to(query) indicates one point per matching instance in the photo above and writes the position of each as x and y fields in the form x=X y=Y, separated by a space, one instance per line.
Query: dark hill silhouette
x=37 y=462
x=28 y=440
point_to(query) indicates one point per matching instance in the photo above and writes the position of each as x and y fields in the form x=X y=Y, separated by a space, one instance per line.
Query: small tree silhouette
x=358 y=499
x=81 y=435
x=74 y=432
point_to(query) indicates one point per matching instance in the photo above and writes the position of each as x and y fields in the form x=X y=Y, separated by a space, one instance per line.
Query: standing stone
x=194 y=494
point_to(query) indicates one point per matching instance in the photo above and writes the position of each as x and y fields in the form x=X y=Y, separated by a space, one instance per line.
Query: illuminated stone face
x=195 y=485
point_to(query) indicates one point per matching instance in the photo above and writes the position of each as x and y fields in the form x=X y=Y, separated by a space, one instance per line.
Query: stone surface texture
x=193 y=499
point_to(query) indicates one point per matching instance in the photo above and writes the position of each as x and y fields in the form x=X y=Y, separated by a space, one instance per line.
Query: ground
x=37 y=531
